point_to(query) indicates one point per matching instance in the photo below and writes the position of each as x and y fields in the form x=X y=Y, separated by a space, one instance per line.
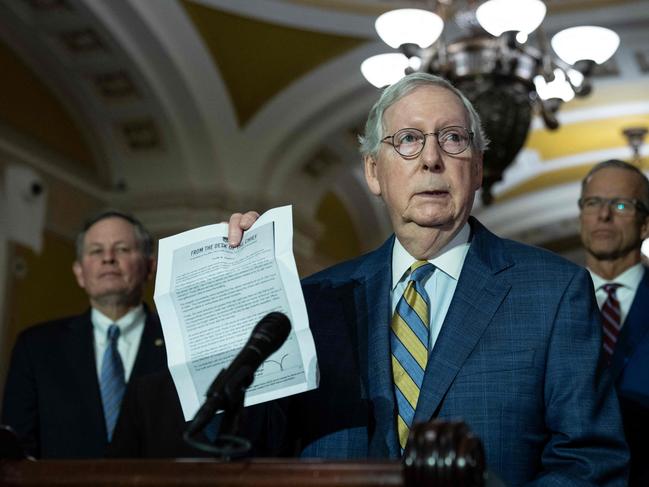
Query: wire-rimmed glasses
x=409 y=142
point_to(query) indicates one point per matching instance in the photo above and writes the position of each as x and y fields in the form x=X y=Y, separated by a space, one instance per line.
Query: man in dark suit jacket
x=514 y=335
x=614 y=222
x=151 y=424
x=52 y=396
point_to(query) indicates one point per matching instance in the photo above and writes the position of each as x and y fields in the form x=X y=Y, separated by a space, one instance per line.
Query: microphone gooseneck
x=228 y=388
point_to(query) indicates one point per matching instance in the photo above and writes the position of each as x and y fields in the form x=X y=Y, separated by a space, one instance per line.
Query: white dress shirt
x=131 y=326
x=441 y=285
x=629 y=281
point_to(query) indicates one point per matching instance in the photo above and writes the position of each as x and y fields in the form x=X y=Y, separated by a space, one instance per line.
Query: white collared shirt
x=131 y=326
x=441 y=285
x=629 y=281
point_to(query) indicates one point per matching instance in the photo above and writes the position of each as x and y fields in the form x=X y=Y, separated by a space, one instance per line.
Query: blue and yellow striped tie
x=409 y=342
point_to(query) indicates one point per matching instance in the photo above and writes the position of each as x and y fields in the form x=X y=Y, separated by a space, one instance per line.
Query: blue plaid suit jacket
x=517 y=359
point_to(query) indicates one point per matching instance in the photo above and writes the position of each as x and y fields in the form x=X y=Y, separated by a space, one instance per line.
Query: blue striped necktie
x=112 y=382
x=409 y=338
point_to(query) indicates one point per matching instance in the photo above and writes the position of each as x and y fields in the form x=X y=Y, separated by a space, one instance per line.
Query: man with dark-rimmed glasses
x=446 y=320
x=614 y=222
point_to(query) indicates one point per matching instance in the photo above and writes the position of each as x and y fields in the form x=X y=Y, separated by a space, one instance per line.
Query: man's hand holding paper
x=210 y=294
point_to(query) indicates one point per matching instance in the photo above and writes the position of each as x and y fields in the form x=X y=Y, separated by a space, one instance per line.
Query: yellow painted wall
x=590 y=136
x=28 y=106
x=338 y=240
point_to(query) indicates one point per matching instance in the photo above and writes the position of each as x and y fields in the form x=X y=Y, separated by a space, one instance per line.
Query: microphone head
x=270 y=333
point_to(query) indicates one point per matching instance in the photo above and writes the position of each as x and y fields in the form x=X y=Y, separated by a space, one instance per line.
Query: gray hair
x=375 y=129
x=618 y=164
x=142 y=236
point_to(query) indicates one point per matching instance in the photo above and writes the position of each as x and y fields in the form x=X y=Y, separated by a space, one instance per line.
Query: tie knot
x=420 y=270
x=611 y=287
x=113 y=333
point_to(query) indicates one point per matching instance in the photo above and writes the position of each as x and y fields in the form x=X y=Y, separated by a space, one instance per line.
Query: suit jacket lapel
x=372 y=317
x=478 y=295
x=151 y=355
x=79 y=351
x=636 y=325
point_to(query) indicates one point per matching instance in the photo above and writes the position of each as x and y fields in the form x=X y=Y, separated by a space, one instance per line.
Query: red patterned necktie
x=611 y=320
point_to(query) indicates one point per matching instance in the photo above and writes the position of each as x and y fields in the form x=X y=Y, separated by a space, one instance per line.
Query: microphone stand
x=227 y=391
x=230 y=400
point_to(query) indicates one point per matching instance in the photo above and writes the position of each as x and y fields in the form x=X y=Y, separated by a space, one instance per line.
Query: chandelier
x=507 y=73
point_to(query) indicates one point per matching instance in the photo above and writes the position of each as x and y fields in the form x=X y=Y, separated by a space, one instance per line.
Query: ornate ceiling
x=183 y=111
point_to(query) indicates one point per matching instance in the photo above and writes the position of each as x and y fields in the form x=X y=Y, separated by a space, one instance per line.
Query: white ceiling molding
x=30 y=40
x=301 y=117
x=601 y=112
x=162 y=45
x=16 y=150
x=532 y=211
x=528 y=164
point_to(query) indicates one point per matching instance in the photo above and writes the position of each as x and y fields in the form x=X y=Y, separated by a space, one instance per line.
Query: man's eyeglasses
x=410 y=142
x=621 y=206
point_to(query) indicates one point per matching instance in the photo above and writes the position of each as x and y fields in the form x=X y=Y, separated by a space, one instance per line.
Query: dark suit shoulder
x=544 y=270
x=42 y=332
x=335 y=273
x=499 y=253
x=538 y=257
x=348 y=270
x=524 y=257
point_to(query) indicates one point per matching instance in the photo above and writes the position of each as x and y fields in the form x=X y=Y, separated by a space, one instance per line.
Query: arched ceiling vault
x=184 y=110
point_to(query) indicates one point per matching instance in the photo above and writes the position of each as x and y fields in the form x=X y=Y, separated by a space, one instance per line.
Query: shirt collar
x=126 y=323
x=449 y=259
x=630 y=278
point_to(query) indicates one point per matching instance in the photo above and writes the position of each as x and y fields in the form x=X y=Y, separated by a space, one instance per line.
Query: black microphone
x=229 y=386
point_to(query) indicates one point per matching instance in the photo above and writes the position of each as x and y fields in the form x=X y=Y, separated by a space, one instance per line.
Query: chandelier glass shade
x=409 y=26
x=386 y=69
x=508 y=79
x=586 y=42
x=499 y=16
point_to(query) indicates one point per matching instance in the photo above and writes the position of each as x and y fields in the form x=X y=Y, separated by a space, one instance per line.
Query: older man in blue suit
x=614 y=222
x=446 y=320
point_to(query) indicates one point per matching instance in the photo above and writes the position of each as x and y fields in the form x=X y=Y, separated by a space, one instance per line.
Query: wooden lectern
x=439 y=454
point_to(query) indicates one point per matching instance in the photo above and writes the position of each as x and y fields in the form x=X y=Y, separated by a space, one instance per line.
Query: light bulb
x=557 y=88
